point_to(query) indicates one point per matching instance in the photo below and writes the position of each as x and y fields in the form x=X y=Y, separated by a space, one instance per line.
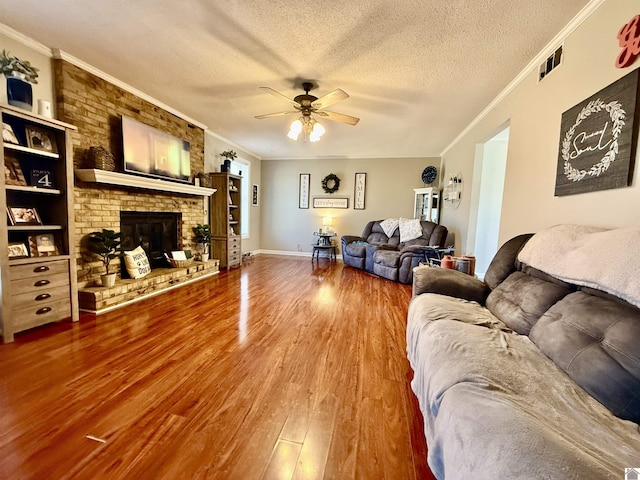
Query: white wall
x=534 y=111
x=389 y=193
x=213 y=147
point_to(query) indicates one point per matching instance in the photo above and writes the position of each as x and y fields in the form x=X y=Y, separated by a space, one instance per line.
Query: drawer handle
x=41 y=283
x=43 y=310
x=42 y=296
x=41 y=268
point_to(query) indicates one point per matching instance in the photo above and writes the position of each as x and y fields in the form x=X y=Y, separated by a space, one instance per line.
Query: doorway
x=491 y=163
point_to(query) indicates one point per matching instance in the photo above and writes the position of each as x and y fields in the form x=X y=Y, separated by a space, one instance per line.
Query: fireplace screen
x=155 y=232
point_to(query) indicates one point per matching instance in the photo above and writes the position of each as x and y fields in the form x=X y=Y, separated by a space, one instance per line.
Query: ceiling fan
x=306 y=104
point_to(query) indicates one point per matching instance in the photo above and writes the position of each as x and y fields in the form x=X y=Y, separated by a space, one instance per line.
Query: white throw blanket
x=389 y=226
x=607 y=260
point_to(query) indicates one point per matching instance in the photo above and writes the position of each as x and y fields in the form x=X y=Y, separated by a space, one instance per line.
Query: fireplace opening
x=155 y=232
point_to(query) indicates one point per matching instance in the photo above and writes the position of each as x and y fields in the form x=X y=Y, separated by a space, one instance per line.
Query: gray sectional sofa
x=535 y=371
x=386 y=256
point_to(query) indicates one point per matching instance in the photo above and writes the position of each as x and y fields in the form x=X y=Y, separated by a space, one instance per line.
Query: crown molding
x=531 y=66
x=232 y=144
x=61 y=55
x=24 y=40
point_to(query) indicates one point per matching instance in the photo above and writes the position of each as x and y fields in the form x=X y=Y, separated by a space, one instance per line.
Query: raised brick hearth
x=101 y=299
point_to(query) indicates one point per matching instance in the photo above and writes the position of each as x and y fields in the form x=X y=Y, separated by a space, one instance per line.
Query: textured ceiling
x=417 y=71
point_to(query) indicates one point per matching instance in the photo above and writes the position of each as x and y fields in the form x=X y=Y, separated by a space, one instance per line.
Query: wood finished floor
x=276 y=370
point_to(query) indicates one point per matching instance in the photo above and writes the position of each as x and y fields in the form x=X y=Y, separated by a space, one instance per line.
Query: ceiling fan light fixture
x=293 y=135
x=318 y=129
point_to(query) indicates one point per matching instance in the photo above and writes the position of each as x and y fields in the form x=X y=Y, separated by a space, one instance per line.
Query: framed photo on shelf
x=8 y=135
x=303 y=190
x=23 y=216
x=12 y=172
x=18 y=250
x=43 y=245
x=359 y=190
x=42 y=178
x=254 y=195
x=41 y=139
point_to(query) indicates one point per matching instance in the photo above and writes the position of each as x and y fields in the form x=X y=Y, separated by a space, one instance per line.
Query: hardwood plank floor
x=281 y=369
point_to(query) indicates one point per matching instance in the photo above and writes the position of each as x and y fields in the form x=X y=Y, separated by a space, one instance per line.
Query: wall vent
x=550 y=64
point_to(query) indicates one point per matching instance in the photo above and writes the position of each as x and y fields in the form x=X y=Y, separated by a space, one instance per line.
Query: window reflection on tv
x=152 y=152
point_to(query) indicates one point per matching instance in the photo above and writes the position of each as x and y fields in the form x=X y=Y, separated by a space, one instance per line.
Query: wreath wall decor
x=330 y=183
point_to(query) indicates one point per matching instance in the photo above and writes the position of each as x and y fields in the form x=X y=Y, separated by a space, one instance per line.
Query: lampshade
x=327 y=221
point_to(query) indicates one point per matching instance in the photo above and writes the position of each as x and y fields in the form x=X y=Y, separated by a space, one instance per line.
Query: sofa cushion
x=387 y=258
x=410 y=229
x=596 y=341
x=521 y=299
x=356 y=249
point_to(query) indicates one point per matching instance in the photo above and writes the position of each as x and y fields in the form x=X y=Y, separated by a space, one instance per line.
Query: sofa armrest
x=449 y=282
x=347 y=239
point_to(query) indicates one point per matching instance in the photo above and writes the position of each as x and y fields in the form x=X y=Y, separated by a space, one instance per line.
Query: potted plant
x=228 y=156
x=203 y=238
x=20 y=74
x=105 y=244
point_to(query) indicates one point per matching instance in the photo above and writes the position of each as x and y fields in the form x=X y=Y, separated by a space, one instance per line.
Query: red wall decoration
x=629 y=40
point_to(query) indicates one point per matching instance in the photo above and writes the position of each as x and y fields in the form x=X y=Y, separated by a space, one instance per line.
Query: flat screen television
x=152 y=152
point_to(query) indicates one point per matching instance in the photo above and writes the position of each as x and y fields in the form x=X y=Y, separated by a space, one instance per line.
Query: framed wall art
x=597 y=140
x=40 y=139
x=303 y=190
x=330 y=202
x=255 y=195
x=359 y=191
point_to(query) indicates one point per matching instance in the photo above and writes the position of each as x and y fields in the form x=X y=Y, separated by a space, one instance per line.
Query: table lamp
x=326 y=223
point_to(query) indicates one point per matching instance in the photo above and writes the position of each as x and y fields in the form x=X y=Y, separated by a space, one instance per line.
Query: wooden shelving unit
x=225 y=214
x=37 y=259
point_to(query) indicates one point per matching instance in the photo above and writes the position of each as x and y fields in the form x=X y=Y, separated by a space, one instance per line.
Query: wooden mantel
x=95 y=175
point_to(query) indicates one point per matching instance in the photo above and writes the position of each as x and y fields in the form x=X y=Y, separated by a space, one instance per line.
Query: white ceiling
x=417 y=71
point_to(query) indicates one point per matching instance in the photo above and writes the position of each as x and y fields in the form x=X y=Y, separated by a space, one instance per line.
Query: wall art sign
x=597 y=140
x=330 y=202
x=254 y=195
x=629 y=41
x=303 y=190
x=359 y=190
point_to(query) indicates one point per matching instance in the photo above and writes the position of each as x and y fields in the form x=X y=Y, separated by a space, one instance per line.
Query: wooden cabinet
x=37 y=256
x=426 y=205
x=225 y=214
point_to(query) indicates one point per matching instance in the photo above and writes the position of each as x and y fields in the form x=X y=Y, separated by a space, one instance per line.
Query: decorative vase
x=19 y=93
x=108 y=280
x=205 y=257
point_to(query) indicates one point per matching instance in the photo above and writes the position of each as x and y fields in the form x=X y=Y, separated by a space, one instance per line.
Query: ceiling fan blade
x=338 y=117
x=279 y=95
x=330 y=98
x=277 y=114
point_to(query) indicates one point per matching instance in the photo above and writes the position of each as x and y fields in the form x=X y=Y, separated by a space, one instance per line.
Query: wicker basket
x=99 y=157
x=181 y=263
x=205 y=180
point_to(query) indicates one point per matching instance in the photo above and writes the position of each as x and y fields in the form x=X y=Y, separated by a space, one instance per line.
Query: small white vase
x=108 y=280
x=205 y=257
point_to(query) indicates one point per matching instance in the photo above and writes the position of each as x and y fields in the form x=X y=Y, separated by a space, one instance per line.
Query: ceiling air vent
x=551 y=63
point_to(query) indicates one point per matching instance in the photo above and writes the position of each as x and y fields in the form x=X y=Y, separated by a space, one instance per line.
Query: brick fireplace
x=95 y=106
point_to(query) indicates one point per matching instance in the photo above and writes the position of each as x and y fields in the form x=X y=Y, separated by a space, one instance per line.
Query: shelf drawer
x=41 y=297
x=43 y=312
x=41 y=283
x=19 y=272
x=234 y=242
